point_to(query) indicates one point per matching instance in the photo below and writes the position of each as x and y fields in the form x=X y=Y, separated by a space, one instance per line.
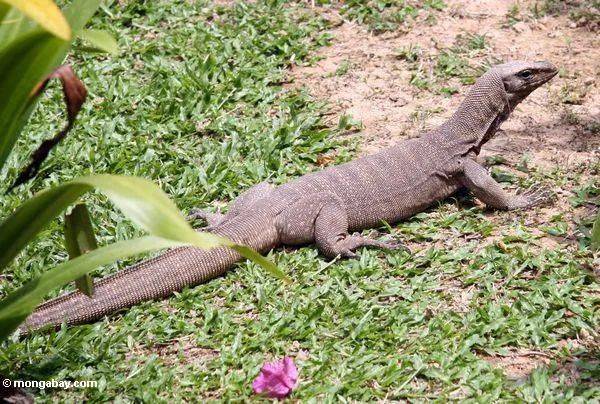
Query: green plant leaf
x=100 y=40
x=24 y=62
x=139 y=199
x=46 y=13
x=79 y=240
x=15 y=308
x=23 y=65
x=252 y=255
x=12 y=24
x=596 y=234
x=79 y=13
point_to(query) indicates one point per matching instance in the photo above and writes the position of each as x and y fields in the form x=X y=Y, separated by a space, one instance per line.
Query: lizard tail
x=153 y=279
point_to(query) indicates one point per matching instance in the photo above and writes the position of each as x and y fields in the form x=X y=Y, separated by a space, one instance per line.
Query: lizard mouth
x=542 y=78
x=546 y=73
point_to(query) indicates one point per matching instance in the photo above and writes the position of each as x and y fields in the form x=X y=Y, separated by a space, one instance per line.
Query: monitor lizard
x=327 y=206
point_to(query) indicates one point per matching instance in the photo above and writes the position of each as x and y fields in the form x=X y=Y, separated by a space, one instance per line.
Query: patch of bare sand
x=519 y=363
x=376 y=89
x=179 y=351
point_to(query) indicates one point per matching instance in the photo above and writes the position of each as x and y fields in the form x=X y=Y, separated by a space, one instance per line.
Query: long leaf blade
x=79 y=13
x=46 y=13
x=137 y=198
x=79 y=240
x=24 y=63
x=12 y=24
x=252 y=255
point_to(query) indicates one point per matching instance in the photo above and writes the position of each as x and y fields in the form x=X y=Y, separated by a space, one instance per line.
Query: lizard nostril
x=545 y=65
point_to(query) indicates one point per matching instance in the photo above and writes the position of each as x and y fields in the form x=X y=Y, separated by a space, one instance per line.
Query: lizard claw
x=349 y=254
x=536 y=195
x=196 y=214
x=211 y=219
x=395 y=245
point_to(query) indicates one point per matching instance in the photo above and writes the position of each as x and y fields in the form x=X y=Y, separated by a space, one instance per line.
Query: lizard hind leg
x=243 y=202
x=332 y=238
x=247 y=199
x=212 y=219
x=322 y=218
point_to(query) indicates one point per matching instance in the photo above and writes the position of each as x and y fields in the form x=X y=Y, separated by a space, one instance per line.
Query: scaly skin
x=323 y=207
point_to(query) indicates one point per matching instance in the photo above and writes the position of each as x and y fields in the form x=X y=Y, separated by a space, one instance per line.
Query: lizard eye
x=525 y=74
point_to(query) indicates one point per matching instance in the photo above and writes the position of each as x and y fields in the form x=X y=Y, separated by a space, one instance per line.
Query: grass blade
x=100 y=40
x=596 y=234
x=79 y=240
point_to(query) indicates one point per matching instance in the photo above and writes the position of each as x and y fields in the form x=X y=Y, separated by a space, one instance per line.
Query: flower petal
x=277 y=379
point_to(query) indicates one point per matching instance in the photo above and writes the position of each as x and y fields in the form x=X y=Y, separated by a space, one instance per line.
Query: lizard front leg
x=322 y=218
x=485 y=188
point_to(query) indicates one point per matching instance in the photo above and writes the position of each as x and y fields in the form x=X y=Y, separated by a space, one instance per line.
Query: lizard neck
x=478 y=117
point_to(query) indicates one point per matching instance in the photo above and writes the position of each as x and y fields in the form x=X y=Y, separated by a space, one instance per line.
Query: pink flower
x=277 y=379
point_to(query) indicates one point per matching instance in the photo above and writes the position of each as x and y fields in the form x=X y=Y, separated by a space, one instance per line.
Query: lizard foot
x=349 y=254
x=532 y=197
x=394 y=245
x=389 y=243
x=212 y=219
x=357 y=240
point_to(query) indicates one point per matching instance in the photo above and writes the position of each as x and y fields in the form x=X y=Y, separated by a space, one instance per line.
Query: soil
x=518 y=364
x=376 y=88
x=179 y=351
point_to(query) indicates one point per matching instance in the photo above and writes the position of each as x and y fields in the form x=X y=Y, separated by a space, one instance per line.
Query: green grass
x=451 y=65
x=386 y=15
x=583 y=13
x=195 y=103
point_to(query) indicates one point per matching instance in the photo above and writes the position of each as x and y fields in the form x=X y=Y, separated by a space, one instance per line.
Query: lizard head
x=520 y=78
x=492 y=98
